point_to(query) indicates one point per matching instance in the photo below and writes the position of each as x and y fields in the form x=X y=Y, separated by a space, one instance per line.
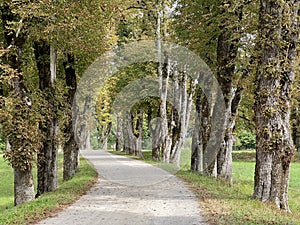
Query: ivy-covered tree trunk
x=70 y=147
x=16 y=124
x=277 y=48
x=47 y=155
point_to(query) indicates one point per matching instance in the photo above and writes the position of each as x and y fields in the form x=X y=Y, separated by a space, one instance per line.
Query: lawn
x=48 y=203
x=224 y=203
x=221 y=203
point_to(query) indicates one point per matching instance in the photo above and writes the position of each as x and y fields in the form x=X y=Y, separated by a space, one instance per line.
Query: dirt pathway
x=131 y=192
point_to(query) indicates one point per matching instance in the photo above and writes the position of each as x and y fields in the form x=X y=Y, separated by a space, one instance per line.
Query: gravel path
x=131 y=192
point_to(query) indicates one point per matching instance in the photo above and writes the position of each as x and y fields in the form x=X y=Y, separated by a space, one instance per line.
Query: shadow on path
x=131 y=192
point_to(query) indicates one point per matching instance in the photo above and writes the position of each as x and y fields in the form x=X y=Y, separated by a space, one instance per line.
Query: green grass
x=48 y=203
x=6 y=185
x=224 y=203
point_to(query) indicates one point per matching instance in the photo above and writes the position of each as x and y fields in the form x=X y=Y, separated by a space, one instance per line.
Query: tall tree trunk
x=139 y=137
x=154 y=127
x=163 y=74
x=129 y=138
x=23 y=179
x=119 y=135
x=183 y=107
x=201 y=132
x=105 y=134
x=296 y=122
x=224 y=163
x=23 y=185
x=81 y=126
x=47 y=155
x=227 y=52
x=70 y=147
x=278 y=40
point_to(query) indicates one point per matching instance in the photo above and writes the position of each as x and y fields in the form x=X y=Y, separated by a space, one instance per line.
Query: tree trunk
x=227 y=52
x=297 y=140
x=105 y=134
x=129 y=138
x=197 y=148
x=278 y=40
x=183 y=102
x=163 y=74
x=296 y=122
x=47 y=155
x=154 y=127
x=81 y=127
x=201 y=132
x=70 y=147
x=139 y=137
x=23 y=179
x=23 y=186
x=119 y=135
x=224 y=159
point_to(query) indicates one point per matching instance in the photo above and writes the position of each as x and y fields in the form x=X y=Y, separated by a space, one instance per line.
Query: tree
x=47 y=155
x=70 y=147
x=220 y=37
x=18 y=110
x=276 y=60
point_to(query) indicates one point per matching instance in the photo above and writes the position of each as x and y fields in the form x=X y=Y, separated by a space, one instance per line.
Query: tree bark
x=119 y=135
x=183 y=101
x=163 y=74
x=201 y=132
x=105 y=134
x=23 y=185
x=296 y=123
x=139 y=136
x=224 y=163
x=23 y=178
x=129 y=138
x=82 y=132
x=154 y=127
x=70 y=147
x=47 y=155
x=278 y=40
x=227 y=52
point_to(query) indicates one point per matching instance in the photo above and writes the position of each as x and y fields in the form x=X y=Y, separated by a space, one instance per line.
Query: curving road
x=131 y=192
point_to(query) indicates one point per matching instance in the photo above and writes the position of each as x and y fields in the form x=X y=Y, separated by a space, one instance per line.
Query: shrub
x=245 y=140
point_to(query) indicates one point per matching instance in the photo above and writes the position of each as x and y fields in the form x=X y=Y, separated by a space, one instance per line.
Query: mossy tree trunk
x=70 y=148
x=277 y=47
x=23 y=178
x=47 y=155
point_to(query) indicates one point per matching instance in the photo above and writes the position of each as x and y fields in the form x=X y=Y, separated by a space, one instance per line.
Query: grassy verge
x=232 y=204
x=48 y=203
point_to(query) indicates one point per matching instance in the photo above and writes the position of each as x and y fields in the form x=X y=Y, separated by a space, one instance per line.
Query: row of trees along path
x=47 y=45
